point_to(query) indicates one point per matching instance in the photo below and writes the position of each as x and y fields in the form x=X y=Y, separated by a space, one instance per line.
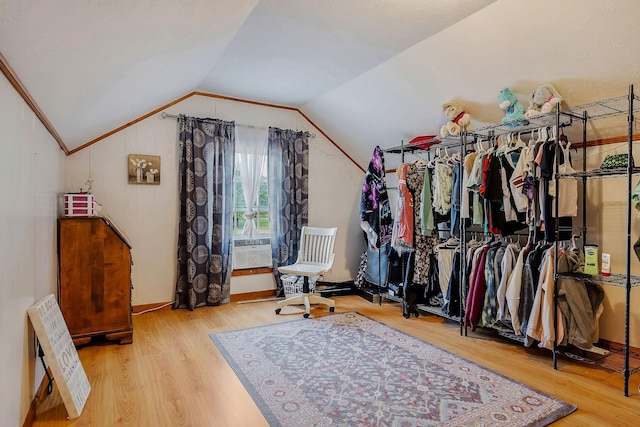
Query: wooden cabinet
x=94 y=288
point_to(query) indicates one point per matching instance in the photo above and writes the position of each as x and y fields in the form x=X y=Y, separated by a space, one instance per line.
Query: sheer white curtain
x=251 y=149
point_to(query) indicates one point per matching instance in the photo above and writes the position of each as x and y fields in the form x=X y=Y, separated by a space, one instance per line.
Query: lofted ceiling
x=367 y=72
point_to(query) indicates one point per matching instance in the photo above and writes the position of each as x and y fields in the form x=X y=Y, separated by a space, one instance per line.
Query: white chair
x=315 y=257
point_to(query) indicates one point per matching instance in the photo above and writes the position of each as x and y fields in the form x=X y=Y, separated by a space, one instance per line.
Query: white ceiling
x=368 y=72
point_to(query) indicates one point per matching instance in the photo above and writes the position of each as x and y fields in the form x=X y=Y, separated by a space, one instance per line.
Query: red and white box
x=79 y=205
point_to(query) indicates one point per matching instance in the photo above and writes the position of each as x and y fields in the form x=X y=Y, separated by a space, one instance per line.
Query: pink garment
x=405 y=208
x=538 y=158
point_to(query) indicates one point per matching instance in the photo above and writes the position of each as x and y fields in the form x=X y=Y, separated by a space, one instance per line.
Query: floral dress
x=422 y=244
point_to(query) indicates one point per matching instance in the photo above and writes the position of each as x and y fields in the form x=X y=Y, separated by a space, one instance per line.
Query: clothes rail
x=164 y=115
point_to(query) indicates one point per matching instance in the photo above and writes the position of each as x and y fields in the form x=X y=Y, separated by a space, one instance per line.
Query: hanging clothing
x=530 y=279
x=442 y=186
x=452 y=299
x=426 y=201
x=492 y=277
x=508 y=263
x=456 y=201
x=512 y=293
x=403 y=231
x=477 y=289
x=567 y=187
x=433 y=294
x=546 y=160
x=374 y=203
x=444 y=256
x=465 y=210
x=473 y=185
x=578 y=303
x=541 y=327
x=422 y=244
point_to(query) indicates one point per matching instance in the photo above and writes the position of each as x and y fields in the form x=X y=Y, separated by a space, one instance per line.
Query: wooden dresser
x=94 y=288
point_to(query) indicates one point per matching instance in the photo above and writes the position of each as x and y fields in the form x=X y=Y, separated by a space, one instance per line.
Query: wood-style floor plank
x=173 y=375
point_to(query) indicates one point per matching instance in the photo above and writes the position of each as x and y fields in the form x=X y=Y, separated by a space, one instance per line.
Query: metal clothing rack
x=458 y=142
x=619 y=106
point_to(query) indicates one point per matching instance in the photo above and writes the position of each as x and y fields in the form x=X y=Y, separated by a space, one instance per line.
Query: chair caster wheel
x=278 y=310
x=306 y=315
x=332 y=309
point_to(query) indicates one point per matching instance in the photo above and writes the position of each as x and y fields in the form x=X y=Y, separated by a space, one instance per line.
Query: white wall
x=31 y=179
x=148 y=214
x=607 y=227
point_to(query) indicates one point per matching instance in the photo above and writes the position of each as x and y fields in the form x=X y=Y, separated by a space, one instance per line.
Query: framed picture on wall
x=144 y=169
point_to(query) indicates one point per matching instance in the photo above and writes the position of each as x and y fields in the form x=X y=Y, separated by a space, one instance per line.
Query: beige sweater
x=540 y=325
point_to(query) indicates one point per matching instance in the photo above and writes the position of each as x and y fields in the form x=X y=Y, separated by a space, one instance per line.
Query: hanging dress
x=422 y=243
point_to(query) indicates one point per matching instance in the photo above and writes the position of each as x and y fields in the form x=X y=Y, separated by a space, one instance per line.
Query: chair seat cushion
x=303 y=269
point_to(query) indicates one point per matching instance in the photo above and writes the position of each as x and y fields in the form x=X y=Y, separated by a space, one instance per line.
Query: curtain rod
x=165 y=115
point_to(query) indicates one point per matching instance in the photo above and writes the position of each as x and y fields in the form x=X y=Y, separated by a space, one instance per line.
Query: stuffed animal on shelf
x=458 y=119
x=544 y=99
x=514 y=110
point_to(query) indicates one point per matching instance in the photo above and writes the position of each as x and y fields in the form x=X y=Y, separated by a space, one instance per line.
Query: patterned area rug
x=349 y=370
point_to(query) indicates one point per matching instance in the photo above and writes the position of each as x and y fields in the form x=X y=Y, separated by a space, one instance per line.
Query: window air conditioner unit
x=251 y=256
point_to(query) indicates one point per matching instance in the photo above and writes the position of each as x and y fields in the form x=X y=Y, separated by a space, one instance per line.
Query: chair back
x=316 y=246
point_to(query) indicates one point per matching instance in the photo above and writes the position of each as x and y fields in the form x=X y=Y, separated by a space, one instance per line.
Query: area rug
x=349 y=370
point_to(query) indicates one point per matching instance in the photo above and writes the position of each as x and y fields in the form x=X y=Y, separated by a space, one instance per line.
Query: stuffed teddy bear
x=544 y=99
x=458 y=118
x=514 y=110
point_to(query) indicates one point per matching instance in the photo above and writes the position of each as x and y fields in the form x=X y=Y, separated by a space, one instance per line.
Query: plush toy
x=514 y=110
x=544 y=99
x=458 y=118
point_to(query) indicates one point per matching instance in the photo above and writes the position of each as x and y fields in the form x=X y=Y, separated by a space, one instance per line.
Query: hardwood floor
x=173 y=375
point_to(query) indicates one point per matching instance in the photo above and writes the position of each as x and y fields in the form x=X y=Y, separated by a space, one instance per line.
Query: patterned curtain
x=288 y=160
x=206 y=167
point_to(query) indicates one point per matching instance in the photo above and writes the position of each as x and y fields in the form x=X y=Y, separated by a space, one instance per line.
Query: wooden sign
x=61 y=354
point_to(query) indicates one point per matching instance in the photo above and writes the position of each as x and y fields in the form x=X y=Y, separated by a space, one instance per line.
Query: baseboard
x=40 y=396
x=611 y=344
x=30 y=419
x=233 y=298
x=257 y=295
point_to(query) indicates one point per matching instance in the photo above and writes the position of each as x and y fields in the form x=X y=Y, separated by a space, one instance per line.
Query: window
x=251 y=251
x=260 y=204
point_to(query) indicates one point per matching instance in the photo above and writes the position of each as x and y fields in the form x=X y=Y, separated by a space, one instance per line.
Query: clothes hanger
x=530 y=237
x=542 y=135
x=532 y=139
x=455 y=157
x=491 y=144
x=480 y=148
x=518 y=144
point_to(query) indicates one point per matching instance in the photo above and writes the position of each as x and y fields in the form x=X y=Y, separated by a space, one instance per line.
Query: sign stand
x=61 y=354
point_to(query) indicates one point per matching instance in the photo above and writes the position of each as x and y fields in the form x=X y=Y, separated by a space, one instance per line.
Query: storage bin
x=293 y=284
x=79 y=205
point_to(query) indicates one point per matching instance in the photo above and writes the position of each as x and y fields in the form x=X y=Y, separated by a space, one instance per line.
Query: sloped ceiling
x=366 y=72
